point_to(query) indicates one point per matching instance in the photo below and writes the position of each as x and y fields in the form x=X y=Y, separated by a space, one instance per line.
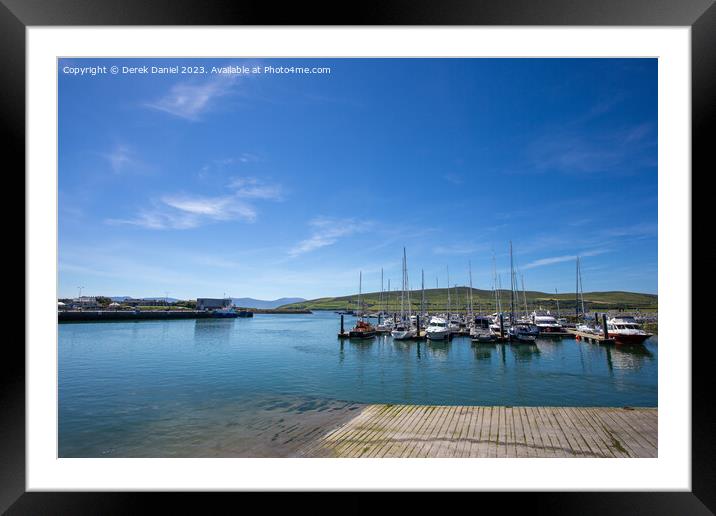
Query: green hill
x=436 y=299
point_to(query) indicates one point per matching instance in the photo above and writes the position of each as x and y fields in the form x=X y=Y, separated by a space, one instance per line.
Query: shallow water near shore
x=264 y=386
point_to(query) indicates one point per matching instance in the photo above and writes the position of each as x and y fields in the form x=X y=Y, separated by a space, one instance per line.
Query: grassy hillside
x=436 y=299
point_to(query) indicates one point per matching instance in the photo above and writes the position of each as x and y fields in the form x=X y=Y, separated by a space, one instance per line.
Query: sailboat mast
x=469 y=268
x=498 y=306
x=360 y=294
x=448 y=290
x=402 y=292
x=576 y=293
x=581 y=288
x=457 y=299
x=499 y=295
x=555 y=296
x=387 y=298
x=422 y=293
x=407 y=282
x=512 y=286
x=381 y=288
x=524 y=294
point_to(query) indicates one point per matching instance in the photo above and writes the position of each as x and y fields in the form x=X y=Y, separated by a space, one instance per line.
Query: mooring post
x=604 y=326
x=417 y=323
x=342 y=324
x=502 y=327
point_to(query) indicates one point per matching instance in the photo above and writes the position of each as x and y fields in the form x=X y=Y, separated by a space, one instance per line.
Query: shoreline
x=68 y=316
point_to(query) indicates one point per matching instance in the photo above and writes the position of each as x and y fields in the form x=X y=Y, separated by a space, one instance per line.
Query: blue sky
x=271 y=185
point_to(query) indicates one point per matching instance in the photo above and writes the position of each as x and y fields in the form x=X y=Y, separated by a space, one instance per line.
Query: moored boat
x=523 y=333
x=228 y=312
x=362 y=330
x=403 y=332
x=437 y=329
x=625 y=330
x=546 y=323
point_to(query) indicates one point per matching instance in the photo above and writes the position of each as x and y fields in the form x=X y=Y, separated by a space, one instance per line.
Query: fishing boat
x=437 y=329
x=363 y=329
x=625 y=330
x=228 y=312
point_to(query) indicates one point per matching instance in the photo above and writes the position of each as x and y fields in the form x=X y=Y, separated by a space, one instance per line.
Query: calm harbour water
x=214 y=387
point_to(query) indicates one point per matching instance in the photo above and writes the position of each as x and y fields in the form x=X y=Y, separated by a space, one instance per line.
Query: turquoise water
x=155 y=388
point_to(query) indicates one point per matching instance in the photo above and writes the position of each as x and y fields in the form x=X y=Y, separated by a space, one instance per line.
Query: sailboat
x=438 y=326
x=519 y=332
x=479 y=326
x=403 y=330
x=363 y=329
x=579 y=301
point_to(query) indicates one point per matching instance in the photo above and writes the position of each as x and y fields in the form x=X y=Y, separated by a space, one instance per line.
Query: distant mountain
x=124 y=298
x=248 y=302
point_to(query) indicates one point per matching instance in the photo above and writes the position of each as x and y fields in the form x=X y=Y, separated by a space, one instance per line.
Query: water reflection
x=525 y=352
x=483 y=351
x=439 y=348
x=213 y=330
x=630 y=357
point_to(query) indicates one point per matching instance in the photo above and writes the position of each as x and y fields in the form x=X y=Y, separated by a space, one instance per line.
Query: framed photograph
x=412 y=251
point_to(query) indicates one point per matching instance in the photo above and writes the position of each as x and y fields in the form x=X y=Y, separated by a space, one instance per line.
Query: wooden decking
x=591 y=337
x=472 y=431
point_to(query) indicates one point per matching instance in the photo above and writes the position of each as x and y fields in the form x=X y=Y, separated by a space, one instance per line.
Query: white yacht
x=546 y=323
x=625 y=330
x=437 y=329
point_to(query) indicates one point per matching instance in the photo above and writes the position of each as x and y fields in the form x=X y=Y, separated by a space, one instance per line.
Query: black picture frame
x=700 y=15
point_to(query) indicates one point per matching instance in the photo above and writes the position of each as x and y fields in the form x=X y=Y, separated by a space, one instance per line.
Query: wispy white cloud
x=215 y=208
x=252 y=188
x=459 y=249
x=120 y=158
x=632 y=231
x=637 y=133
x=189 y=100
x=187 y=212
x=559 y=259
x=327 y=231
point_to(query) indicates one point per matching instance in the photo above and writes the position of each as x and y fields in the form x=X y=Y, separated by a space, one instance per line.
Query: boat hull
x=620 y=338
x=483 y=338
x=435 y=335
x=523 y=338
x=550 y=329
x=361 y=334
x=225 y=315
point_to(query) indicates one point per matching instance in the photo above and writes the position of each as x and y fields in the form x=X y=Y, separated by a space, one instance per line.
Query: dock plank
x=490 y=431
